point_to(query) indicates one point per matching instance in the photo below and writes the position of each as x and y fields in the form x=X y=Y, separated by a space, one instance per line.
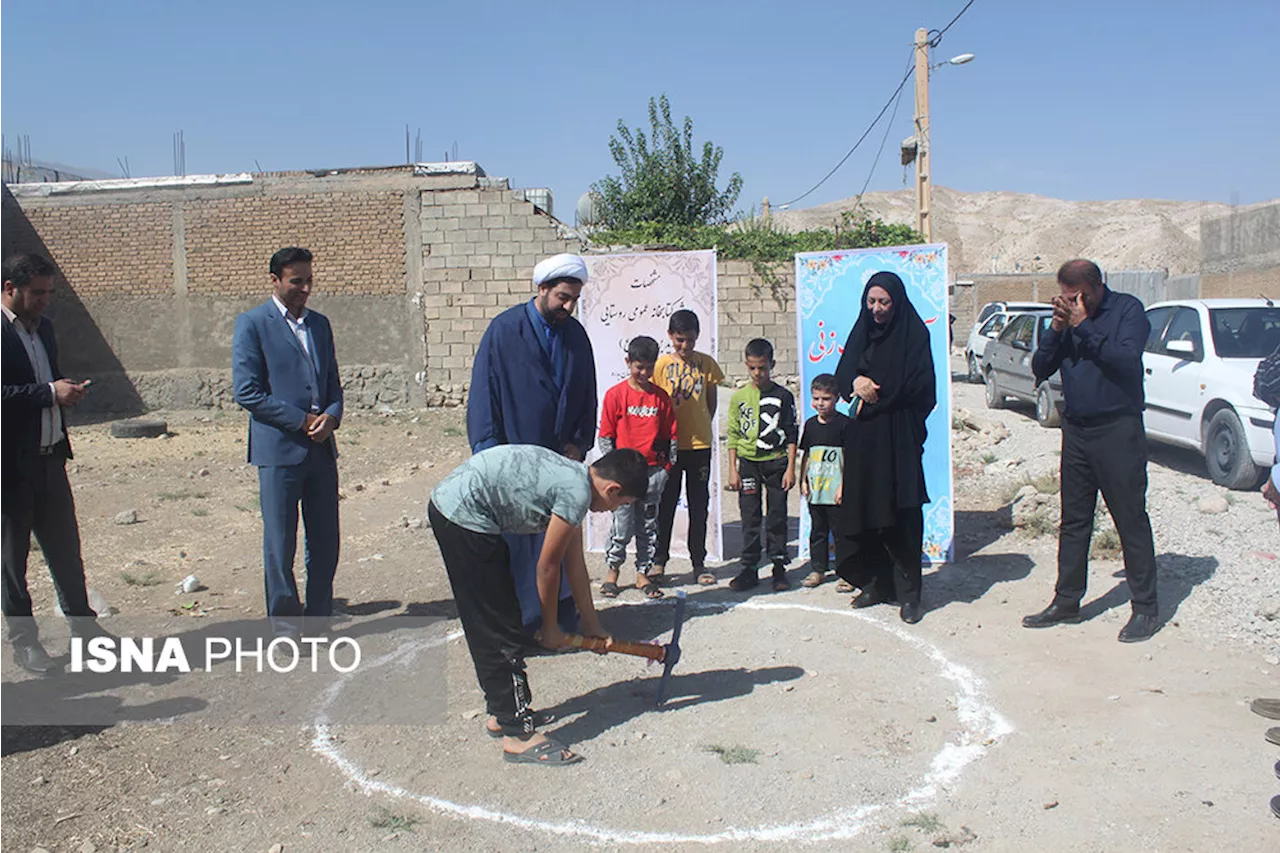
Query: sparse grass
x=900 y=844
x=1047 y=484
x=1231 y=498
x=1105 y=543
x=384 y=818
x=183 y=495
x=148 y=578
x=924 y=821
x=452 y=431
x=988 y=457
x=200 y=512
x=243 y=508
x=734 y=754
x=1042 y=524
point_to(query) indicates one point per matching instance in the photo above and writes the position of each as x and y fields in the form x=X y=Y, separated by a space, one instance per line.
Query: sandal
x=706 y=579
x=540 y=719
x=649 y=588
x=745 y=580
x=657 y=578
x=549 y=753
x=814 y=578
x=844 y=587
x=609 y=589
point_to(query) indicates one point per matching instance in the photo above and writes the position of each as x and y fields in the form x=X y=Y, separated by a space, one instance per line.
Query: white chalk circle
x=981 y=727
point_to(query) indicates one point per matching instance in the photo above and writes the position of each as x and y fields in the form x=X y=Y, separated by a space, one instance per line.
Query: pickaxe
x=668 y=655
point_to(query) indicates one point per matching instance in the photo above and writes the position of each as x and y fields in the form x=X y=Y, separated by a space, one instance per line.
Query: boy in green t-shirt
x=762 y=459
x=522 y=489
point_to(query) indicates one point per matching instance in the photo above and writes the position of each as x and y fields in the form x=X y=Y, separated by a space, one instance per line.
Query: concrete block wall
x=753 y=305
x=1240 y=253
x=479 y=247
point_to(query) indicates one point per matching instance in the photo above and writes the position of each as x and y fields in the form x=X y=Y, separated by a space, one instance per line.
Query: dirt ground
x=791 y=718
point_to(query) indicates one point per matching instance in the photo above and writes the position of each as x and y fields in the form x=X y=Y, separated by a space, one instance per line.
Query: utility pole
x=924 y=205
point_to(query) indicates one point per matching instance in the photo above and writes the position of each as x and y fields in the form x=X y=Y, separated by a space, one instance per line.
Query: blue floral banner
x=828 y=292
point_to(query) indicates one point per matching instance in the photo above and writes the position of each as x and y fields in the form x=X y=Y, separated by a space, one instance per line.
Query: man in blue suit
x=285 y=372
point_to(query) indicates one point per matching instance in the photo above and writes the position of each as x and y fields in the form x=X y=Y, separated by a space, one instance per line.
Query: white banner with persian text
x=630 y=295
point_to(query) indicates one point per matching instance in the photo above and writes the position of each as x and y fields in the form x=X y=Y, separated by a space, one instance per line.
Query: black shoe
x=34 y=659
x=1269 y=708
x=780 y=582
x=868 y=597
x=1278 y=769
x=1142 y=626
x=1273 y=735
x=745 y=580
x=1054 y=614
x=87 y=628
x=1275 y=805
x=910 y=613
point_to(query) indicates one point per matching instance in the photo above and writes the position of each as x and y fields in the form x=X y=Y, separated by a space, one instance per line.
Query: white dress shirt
x=303 y=334
x=51 y=416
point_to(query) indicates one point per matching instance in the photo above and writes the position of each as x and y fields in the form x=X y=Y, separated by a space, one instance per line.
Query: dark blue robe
x=514 y=399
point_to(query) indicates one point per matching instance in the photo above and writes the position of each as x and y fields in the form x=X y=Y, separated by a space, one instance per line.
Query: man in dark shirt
x=1096 y=341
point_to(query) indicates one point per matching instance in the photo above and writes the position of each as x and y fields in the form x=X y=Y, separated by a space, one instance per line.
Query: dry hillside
x=1012 y=232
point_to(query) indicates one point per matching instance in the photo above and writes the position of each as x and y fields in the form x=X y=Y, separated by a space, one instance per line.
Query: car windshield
x=1245 y=332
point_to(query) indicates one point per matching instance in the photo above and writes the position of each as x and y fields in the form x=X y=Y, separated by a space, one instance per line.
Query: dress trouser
x=479 y=569
x=314 y=484
x=888 y=559
x=639 y=520
x=820 y=516
x=1111 y=458
x=37 y=499
x=763 y=477
x=694 y=466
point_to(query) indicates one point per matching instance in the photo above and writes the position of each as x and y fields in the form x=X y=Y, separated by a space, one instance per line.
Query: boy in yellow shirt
x=690 y=378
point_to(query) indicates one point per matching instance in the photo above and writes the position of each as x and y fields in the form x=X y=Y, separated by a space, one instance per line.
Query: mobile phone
x=86 y=383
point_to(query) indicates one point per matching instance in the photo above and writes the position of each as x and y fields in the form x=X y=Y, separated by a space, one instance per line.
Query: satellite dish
x=588 y=208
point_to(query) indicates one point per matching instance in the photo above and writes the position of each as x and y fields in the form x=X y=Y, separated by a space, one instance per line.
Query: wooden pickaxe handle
x=652 y=651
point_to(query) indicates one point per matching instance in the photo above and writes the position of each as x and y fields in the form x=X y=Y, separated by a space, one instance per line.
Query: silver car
x=1006 y=368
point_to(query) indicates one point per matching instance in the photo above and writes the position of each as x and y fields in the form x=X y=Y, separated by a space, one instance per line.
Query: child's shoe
x=745 y=580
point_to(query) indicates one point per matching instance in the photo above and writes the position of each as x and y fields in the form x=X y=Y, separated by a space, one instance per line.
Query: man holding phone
x=36 y=493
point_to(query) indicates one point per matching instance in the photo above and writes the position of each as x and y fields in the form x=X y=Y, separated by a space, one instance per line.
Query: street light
x=916 y=148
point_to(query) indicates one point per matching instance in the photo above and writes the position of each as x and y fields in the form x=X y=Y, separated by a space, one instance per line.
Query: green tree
x=662 y=179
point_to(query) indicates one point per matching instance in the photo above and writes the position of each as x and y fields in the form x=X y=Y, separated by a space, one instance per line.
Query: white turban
x=560 y=266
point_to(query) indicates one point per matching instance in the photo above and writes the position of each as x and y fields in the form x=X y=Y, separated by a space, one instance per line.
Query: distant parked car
x=1006 y=367
x=992 y=320
x=1199 y=363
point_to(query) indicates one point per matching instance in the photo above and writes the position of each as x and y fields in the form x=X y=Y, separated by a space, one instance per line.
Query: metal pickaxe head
x=672 y=656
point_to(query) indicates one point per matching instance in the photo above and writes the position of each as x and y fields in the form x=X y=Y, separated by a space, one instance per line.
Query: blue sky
x=1168 y=99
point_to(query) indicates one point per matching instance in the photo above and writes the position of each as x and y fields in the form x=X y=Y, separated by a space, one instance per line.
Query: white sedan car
x=1199 y=363
x=992 y=320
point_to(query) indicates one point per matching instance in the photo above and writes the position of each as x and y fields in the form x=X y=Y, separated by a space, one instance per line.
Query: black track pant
x=695 y=468
x=479 y=568
x=1110 y=458
x=820 y=517
x=889 y=559
x=762 y=485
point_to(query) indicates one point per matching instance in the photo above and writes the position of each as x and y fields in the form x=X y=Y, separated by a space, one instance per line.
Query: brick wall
x=357 y=237
x=116 y=250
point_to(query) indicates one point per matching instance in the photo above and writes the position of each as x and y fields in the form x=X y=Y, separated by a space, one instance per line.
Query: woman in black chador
x=887 y=373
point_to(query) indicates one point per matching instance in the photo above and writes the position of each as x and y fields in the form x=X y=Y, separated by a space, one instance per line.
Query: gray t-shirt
x=514 y=488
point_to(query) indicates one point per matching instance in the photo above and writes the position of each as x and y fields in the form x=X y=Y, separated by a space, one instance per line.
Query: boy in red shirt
x=637 y=414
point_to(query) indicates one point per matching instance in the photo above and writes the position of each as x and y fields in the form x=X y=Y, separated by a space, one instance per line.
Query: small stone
x=129 y=516
x=158 y=801
x=1050 y=805
x=359 y=487
x=931 y=719
x=472 y=714
x=203 y=472
x=87 y=847
x=73 y=750
x=385 y=482
x=1207 y=802
x=276 y=848
x=1213 y=505
x=374 y=771
x=417 y=523
x=805 y=639
x=788 y=688
x=39 y=780
x=214 y=810
x=1114 y=698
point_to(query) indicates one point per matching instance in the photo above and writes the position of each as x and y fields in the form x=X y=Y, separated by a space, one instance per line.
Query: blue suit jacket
x=513 y=398
x=272 y=378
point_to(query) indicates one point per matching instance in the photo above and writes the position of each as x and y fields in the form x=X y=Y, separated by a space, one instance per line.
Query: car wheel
x=975 y=372
x=995 y=397
x=1226 y=452
x=1046 y=411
